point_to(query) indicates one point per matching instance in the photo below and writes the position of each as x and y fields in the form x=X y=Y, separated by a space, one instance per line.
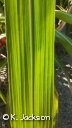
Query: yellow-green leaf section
x=30 y=30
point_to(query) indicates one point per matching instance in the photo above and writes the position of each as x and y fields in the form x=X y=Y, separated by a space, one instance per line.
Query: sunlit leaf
x=30 y=27
x=61 y=8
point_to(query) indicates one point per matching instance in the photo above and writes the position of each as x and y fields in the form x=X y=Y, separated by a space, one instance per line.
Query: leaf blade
x=65 y=41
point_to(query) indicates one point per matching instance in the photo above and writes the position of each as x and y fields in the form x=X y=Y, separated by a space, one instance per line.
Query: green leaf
x=65 y=16
x=3 y=63
x=65 y=41
x=3 y=47
x=30 y=27
x=2 y=18
x=2 y=1
x=2 y=97
x=60 y=64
